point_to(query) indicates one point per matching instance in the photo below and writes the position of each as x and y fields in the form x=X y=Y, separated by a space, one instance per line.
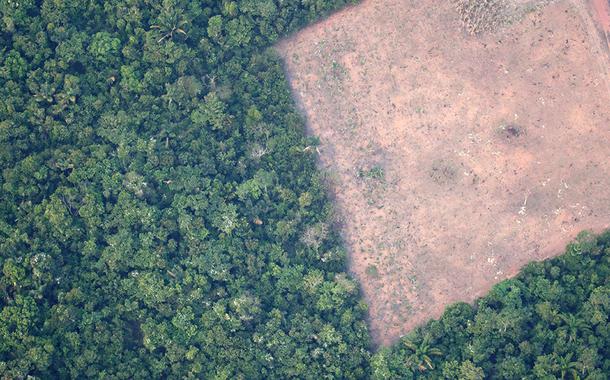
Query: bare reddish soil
x=454 y=159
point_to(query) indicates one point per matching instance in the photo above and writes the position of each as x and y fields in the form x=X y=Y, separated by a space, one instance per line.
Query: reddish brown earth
x=453 y=159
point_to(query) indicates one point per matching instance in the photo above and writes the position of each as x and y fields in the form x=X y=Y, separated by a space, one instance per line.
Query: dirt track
x=453 y=159
x=601 y=14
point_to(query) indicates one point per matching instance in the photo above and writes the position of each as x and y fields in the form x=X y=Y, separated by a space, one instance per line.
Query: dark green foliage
x=155 y=193
x=551 y=321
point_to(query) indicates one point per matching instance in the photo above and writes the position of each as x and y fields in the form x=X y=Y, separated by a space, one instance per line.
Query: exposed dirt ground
x=454 y=159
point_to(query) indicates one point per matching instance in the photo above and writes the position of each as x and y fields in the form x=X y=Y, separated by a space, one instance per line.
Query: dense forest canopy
x=161 y=215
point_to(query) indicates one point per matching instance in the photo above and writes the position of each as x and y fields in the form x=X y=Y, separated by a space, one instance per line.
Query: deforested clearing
x=454 y=155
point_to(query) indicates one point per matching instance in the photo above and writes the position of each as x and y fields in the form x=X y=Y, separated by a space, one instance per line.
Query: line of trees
x=161 y=217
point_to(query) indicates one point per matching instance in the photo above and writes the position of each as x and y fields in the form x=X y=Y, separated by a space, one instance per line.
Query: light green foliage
x=103 y=47
x=211 y=112
x=215 y=26
x=15 y=66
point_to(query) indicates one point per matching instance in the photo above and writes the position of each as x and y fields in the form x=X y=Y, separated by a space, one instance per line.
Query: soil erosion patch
x=454 y=159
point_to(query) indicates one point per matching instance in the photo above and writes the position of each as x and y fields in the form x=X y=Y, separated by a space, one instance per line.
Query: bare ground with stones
x=454 y=159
